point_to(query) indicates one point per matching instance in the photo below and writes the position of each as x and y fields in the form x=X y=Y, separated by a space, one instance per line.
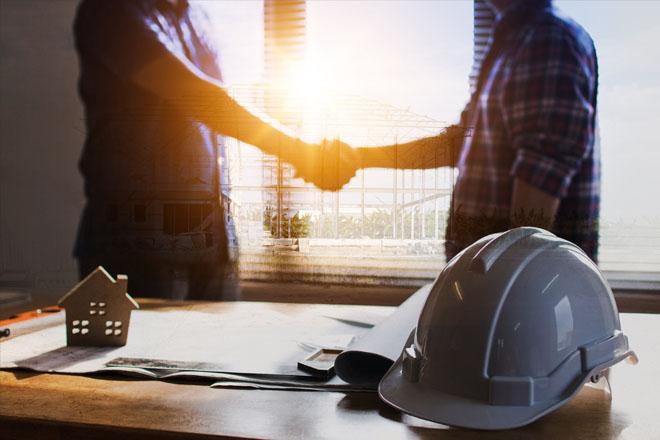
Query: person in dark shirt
x=155 y=107
x=530 y=156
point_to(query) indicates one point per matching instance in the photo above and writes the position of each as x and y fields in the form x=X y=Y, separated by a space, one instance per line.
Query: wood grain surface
x=57 y=406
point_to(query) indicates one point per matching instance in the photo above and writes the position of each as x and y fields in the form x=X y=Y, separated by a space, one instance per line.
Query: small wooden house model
x=98 y=310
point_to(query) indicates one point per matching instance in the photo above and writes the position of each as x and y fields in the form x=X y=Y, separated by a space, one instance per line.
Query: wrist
x=376 y=157
x=294 y=150
x=301 y=155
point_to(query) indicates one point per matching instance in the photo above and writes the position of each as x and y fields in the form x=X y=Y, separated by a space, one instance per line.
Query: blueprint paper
x=367 y=360
x=250 y=345
x=252 y=338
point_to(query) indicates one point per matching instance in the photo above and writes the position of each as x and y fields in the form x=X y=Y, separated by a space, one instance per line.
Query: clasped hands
x=329 y=165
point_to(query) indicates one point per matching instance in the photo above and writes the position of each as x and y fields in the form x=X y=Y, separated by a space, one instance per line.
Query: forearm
x=431 y=152
x=532 y=207
x=207 y=100
x=230 y=118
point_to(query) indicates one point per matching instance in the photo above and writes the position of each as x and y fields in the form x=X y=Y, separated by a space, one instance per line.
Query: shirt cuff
x=545 y=173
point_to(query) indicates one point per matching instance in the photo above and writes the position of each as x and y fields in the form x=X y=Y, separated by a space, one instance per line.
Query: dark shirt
x=533 y=118
x=151 y=170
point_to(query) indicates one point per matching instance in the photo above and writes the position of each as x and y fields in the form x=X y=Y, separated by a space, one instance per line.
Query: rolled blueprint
x=367 y=360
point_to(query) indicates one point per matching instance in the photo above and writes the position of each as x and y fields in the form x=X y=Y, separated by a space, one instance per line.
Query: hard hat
x=512 y=328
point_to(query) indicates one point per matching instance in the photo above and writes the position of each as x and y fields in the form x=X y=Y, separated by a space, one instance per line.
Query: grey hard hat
x=512 y=328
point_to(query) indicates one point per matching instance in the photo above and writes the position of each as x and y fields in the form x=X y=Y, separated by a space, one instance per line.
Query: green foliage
x=377 y=225
x=295 y=227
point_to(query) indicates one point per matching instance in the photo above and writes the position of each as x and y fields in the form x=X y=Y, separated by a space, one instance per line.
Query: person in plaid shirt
x=531 y=158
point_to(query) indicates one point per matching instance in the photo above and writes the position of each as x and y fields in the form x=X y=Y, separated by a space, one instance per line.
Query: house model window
x=98 y=310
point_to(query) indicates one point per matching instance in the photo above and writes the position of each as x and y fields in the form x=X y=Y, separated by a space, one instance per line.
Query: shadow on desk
x=589 y=415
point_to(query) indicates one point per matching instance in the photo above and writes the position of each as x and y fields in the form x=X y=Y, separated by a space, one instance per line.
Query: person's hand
x=329 y=165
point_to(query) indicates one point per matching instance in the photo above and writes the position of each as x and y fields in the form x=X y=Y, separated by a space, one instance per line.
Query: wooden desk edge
x=32 y=428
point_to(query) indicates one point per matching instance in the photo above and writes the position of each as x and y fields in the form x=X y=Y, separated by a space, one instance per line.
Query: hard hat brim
x=422 y=401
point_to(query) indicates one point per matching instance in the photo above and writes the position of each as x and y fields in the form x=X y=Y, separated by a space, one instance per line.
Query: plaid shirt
x=533 y=118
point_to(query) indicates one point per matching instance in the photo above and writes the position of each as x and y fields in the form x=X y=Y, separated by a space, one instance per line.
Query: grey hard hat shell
x=512 y=328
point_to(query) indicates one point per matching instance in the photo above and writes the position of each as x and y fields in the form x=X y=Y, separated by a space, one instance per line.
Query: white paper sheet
x=253 y=338
x=369 y=357
x=249 y=343
x=252 y=343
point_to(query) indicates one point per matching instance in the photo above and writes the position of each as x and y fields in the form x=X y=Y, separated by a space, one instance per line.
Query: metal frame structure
x=415 y=198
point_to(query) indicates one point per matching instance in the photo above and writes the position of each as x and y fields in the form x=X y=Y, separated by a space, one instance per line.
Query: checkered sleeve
x=548 y=109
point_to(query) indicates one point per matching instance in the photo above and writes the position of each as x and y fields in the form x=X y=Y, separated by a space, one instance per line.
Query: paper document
x=247 y=342
x=367 y=360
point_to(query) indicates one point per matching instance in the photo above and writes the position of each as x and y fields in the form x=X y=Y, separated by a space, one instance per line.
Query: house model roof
x=100 y=277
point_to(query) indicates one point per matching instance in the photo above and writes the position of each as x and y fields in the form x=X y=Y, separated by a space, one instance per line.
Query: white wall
x=41 y=135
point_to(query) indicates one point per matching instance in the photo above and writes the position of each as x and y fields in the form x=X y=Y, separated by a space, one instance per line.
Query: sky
x=416 y=55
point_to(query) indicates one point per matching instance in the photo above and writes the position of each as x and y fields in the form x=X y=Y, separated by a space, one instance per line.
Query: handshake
x=329 y=165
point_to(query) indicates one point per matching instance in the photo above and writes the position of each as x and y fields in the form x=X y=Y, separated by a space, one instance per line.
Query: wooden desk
x=51 y=406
